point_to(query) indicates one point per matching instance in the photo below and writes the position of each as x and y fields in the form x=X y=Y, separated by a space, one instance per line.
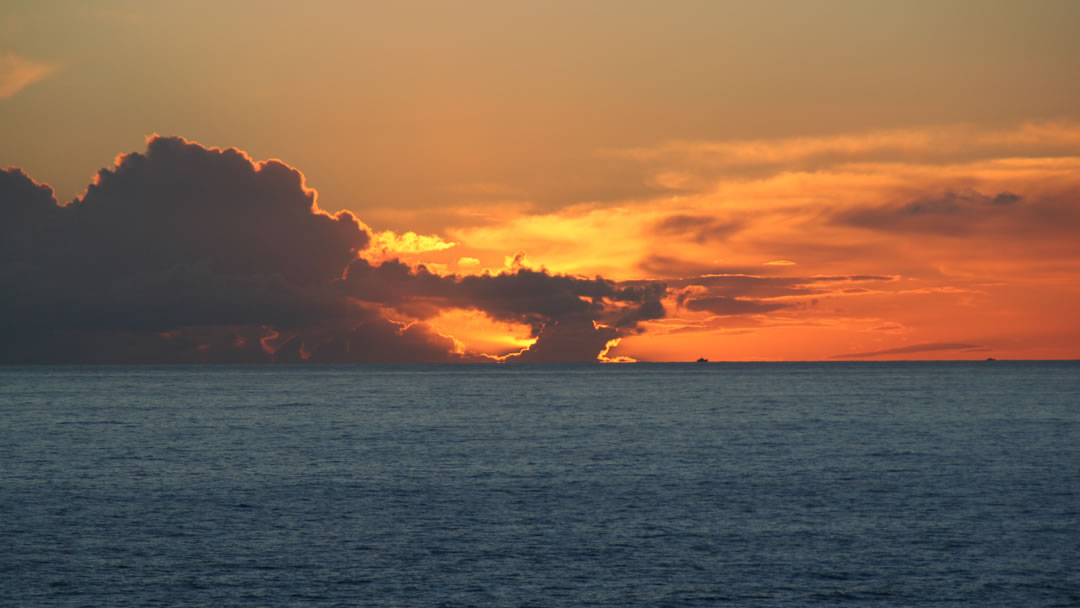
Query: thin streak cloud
x=913 y=349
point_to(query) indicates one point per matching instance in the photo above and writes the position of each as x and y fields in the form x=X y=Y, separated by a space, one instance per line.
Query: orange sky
x=809 y=181
x=914 y=240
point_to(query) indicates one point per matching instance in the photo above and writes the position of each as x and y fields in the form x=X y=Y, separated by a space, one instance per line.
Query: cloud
x=180 y=236
x=935 y=144
x=189 y=253
x=598 y=310
x=723 y=305
x=913 y=349
x=746 y=285
x=954 y=202
x=673 y=269
x=970 y=212
x=379 y=340
x=17 y=73
x=387 y=244
x=1006 y=198
x=698 y=228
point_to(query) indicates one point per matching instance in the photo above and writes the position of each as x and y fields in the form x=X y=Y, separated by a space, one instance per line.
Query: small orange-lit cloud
x=17 y=73
x=388 y=245
x=606 y=357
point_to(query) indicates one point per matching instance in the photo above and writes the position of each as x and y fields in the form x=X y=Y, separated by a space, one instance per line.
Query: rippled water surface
x=903 y=484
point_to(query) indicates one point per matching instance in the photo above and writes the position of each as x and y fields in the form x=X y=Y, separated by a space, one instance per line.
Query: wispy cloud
x=941 y=144
x=17 y=73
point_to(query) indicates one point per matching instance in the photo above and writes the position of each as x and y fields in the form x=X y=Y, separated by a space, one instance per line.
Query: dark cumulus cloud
x=525 y=296
x=572 y=318
x=192 y=254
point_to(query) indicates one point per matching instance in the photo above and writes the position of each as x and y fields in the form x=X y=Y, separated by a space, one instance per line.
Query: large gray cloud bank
x=193 y=254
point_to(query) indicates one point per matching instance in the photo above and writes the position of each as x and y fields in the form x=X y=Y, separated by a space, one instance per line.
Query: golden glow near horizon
x=863 y=179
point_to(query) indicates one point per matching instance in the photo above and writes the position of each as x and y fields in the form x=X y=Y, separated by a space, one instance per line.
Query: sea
x=714 y=484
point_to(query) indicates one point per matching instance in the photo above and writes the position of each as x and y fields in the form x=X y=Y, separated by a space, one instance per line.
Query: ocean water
x=852 y=484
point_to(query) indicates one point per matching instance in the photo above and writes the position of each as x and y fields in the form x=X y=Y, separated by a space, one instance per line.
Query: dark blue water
x=858 y=484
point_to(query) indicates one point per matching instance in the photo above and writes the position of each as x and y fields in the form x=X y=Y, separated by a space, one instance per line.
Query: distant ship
x=703 y=360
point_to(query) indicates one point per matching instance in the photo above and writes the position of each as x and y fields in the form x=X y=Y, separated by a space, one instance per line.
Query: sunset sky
x=539 y=181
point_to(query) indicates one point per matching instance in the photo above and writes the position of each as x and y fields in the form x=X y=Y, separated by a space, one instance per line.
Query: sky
x=539 y=181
